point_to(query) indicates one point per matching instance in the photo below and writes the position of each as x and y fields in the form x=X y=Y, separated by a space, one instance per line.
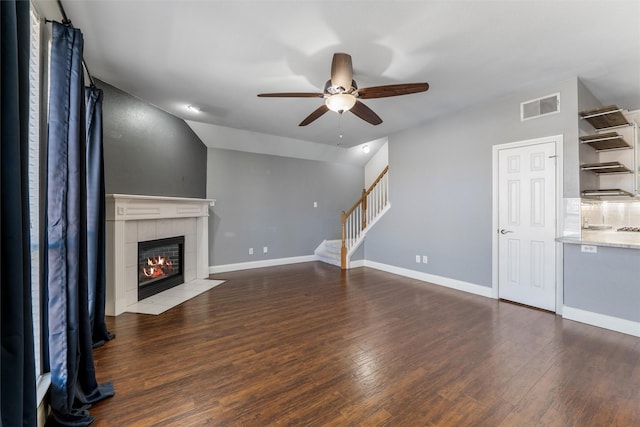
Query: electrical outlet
x=418 y=259
x=250 y=251
x=265 y=250
x=590 y=249
x=315 y=204
x=425 y=259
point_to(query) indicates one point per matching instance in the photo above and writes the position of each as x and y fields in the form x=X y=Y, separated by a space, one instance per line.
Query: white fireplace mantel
x=133 y=218
x=128 y=207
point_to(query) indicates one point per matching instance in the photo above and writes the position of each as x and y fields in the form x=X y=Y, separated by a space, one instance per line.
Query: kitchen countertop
x=611 y=238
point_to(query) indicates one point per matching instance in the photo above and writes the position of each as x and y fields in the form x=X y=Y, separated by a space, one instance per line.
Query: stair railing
x=364 y=211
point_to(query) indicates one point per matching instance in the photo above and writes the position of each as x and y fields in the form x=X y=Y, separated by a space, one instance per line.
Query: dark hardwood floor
x=307 y=344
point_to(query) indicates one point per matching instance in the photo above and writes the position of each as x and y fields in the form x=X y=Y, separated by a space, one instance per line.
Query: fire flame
x=157 y=267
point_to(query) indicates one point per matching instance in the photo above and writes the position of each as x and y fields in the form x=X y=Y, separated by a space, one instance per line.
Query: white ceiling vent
x=539 y=107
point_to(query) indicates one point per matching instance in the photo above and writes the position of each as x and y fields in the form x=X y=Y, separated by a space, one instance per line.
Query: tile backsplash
x=614 y=213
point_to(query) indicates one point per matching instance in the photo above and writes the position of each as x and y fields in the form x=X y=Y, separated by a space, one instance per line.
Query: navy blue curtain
x=17 y=370
x=73 y=384
x=96 y=217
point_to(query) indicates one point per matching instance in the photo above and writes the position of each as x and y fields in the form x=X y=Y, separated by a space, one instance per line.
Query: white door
x=527 y=225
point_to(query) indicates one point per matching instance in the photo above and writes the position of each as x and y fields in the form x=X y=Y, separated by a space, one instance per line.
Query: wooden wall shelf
x=606 y=193
x=606 y=167
x=605 y=117
x=606 y=141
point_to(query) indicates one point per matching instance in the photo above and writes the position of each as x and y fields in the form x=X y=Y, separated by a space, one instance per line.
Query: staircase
x=329 y=252
x=356 y=222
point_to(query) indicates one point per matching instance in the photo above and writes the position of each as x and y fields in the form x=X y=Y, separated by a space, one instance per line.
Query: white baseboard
x=259 y=264
x=460 y=285
x=602 y=321
x=357 y=263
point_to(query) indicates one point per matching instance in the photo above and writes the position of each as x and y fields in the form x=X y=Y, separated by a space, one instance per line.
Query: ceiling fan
x=341 y=93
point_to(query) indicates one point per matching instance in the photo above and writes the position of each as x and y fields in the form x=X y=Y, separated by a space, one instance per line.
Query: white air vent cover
x=539 y=107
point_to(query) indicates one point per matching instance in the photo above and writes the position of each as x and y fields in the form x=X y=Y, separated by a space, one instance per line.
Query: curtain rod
x=67 y=21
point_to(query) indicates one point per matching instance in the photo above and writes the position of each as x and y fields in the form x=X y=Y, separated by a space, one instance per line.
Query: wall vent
x=539 y=107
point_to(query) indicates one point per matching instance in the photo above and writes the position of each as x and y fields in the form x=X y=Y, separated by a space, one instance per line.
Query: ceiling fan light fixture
x=340 y=102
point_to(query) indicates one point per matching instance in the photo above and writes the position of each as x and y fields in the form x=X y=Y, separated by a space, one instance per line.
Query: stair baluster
x=362 y=214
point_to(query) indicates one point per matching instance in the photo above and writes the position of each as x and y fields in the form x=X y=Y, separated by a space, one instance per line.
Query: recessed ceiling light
x=193 y=108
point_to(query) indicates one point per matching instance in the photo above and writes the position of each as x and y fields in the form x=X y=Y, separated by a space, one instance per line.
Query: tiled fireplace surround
x=131 y=219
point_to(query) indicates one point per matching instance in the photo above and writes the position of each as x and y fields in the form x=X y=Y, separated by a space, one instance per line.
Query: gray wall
x=148 y=151
x=606 y=282
x=441 y=184
x=264 y=200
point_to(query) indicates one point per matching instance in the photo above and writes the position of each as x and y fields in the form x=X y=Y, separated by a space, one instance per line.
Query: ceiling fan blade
x=365 y=113
x=392 y=90
x=317 y=113
x=292 y=95
x=341 y=70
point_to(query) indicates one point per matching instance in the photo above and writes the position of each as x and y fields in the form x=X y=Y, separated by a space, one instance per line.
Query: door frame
x=558 y=141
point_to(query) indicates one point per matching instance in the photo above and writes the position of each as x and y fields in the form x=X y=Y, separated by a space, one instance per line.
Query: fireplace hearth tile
x=165 y=299
x=199 y=286
x=178 y=296
x=170 y=298
x=148 y=308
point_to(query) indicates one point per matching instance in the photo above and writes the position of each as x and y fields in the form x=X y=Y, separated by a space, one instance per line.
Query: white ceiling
x=218 y=55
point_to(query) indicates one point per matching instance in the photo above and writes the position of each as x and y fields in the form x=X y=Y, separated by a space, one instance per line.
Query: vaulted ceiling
x=217 y=55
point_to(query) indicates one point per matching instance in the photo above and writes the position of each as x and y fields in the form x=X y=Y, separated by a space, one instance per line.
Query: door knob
x=503 y=231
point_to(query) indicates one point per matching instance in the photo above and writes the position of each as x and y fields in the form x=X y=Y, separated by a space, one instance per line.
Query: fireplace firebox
x=160 y=264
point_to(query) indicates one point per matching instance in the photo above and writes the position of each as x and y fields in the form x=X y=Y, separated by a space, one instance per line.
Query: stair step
x=334 y=246
x=329 y=260
x=328 y=254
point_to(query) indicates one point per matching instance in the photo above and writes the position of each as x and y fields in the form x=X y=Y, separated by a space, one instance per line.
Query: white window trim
x=43 y=379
